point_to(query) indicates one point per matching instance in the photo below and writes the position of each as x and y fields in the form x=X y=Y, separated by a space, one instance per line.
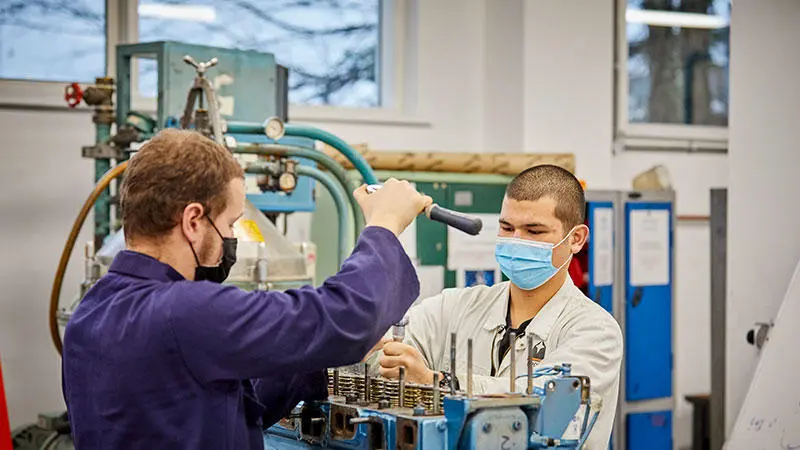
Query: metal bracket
x=102 y=151
x=759 y=335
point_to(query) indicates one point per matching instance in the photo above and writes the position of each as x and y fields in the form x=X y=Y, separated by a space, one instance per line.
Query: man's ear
x=579 y=238
x=190 y=221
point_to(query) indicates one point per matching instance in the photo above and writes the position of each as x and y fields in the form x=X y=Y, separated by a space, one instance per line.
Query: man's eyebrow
x=527 y=225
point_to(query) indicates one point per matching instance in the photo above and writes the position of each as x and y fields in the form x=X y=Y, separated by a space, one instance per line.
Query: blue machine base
x=513 y=421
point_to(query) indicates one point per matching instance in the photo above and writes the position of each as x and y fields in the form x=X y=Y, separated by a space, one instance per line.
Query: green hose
x=358 y=161
x=355 y=158
x=339 y=199
x=321 y=158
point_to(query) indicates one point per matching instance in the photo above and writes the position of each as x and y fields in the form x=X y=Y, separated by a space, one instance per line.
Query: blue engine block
x=511 y=421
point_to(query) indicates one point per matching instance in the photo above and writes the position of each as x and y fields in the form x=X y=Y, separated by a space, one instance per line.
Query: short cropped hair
x=556 y=183
x=173 y=169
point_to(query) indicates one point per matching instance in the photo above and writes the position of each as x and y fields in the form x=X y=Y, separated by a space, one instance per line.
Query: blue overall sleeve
x=282 y=393
x=225 y=333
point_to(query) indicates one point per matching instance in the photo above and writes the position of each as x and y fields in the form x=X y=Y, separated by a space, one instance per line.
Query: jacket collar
x=542 y=323
x=139 y=265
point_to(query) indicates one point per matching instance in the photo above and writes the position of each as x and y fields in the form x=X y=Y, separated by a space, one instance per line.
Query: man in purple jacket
x=159 y=354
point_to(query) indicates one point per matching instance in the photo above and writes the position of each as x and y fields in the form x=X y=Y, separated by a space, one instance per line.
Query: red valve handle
x=73 y=94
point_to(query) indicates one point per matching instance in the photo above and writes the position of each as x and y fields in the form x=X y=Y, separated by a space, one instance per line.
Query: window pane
x=52 y=40
x=678 y=61
x=330 y=47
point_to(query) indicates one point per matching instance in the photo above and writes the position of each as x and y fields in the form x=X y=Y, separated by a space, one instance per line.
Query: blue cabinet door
x=650 y=431
x=600 y=219
x=648 y=300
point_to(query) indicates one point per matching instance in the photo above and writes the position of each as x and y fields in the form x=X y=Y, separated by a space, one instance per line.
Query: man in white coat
x=541 y=227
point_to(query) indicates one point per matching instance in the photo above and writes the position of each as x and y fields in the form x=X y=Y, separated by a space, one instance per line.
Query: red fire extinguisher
x=5 y=429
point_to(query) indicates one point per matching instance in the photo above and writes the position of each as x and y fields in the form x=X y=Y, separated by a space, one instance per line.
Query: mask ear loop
x=215 y=227
x=570 y=253
x=196 y=259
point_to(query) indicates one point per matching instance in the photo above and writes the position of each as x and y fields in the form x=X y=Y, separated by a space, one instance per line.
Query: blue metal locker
x=598 y=215
x=648 y=301
x=650 y=431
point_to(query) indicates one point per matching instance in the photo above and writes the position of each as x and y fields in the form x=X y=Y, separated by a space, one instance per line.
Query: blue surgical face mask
x=528 y=264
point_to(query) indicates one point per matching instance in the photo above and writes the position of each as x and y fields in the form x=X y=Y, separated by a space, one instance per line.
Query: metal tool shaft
x=399 y=330
x=366 y=383
x=402 y=391
x=436 y=392
x=512 y=338
x=529 y=389
x=469 y=368
x=452 y=364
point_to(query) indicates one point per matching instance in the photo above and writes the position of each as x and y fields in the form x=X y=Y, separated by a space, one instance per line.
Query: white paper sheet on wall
x=602 y=242
x=649 y=251
x=473 y=252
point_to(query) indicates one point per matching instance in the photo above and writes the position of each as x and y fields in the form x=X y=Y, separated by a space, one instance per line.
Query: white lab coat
x=573 y=328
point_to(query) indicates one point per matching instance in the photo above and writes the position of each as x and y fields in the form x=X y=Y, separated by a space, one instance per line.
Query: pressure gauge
x=274 y=128
x=287 y=182
x=230 y=143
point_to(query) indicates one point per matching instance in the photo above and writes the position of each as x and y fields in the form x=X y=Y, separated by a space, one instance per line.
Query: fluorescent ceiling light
x=674 y=19
x=191 y=13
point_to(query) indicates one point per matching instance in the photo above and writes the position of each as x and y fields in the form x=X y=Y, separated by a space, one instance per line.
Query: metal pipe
x=452 y=364
x=469 y=368
x=338 y=199
x=355 y=158
x=512 y=338
x=529 y=390
x=102 y=208
x=244 y=128
x=320 y=158
x=88 y=261
x=261 y=267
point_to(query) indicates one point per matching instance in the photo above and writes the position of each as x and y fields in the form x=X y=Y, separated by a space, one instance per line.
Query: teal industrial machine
x=239 y=99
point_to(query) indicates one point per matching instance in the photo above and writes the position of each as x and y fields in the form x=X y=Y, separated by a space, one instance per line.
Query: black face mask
x=218 y=273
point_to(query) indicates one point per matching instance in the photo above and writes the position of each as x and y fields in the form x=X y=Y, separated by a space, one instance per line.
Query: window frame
x=122 y=26
x=680 y=137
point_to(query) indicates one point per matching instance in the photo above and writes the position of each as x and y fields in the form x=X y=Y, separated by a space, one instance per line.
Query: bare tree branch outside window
x=678 y=75
x=330 y=46
x=52 y=40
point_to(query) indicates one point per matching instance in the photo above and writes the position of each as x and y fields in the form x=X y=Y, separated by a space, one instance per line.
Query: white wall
x=568 y=85
x=763 y=245
x=516 y=75
x=43 y=183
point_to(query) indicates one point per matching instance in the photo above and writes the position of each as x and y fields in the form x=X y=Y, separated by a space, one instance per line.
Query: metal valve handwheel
x=73 y=94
